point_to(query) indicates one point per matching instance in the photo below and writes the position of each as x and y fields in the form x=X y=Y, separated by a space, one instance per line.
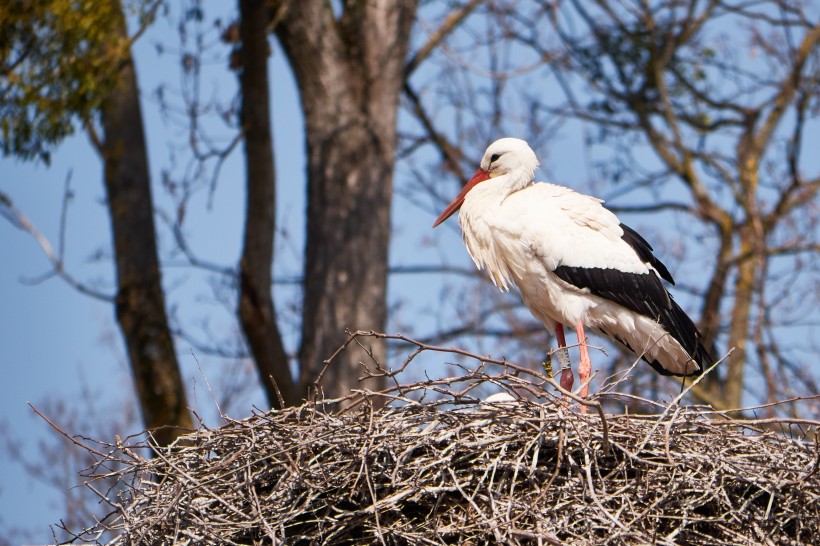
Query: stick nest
x=471 y=473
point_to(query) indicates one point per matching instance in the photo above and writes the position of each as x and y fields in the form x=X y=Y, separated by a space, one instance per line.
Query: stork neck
x=512 y=182
x=521 y=177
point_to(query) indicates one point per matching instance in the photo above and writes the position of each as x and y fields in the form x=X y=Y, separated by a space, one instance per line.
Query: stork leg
x=585 y=367
x=567 y=378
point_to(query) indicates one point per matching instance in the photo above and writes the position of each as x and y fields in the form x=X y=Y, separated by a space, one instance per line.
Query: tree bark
x=710 y=312
x=350 y=73
x=256 y=311
x=739 y=331
x=140 y=303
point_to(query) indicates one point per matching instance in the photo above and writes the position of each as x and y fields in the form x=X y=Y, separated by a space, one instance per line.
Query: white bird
x=574 y=263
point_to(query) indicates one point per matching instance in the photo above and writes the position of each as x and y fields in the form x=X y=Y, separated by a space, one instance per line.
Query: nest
x=457 y=470
x=507 y=473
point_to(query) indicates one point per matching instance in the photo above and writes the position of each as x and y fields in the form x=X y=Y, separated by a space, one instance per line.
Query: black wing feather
x=642 y=293
x=644 y=251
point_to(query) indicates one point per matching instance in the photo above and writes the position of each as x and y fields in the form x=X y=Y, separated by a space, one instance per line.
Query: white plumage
x=573 y=262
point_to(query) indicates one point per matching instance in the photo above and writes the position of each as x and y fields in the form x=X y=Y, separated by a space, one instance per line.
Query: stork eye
x=494 y=157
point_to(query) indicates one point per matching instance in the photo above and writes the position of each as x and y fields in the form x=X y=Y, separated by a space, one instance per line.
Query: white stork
x=574 y=262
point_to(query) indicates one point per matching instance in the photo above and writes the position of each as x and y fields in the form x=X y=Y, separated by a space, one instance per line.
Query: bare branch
x=20 y=221
x=436 y=38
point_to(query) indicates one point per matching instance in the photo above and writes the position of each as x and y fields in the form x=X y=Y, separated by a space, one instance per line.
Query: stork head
x=508 y=161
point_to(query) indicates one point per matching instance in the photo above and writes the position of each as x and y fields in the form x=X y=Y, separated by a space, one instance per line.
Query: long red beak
x=479 y=176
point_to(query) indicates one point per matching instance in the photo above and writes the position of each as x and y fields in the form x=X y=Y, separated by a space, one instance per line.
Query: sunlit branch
x=20 y=221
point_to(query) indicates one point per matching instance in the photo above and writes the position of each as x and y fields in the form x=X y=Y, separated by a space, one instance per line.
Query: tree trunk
x=256 y=311
x=140 y=300
x=739 y=331
x=710 y=312
x=350 y=72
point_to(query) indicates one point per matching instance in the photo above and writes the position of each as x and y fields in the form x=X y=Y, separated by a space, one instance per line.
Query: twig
x=66 y=435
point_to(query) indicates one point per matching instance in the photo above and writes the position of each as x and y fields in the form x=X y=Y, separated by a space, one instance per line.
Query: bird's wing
x=585 y=245
x=573 y=229
x=563 y=227
x=589 y=212
x=645 y=295
x=644 y=252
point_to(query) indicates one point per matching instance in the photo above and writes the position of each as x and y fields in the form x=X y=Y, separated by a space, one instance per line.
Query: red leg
x=585 y=367
x=559 y=333
x=567 y=378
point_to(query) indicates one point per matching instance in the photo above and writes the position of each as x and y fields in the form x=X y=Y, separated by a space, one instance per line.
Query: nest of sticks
x=436 y=465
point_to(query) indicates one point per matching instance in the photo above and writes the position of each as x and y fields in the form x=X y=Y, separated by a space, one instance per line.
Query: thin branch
x=67 y=436
x=450 y=23
x=20 y=221
x=450 y=154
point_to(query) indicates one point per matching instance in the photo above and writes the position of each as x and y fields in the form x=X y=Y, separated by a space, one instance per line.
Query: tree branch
x=20 y=221
x=450 y=23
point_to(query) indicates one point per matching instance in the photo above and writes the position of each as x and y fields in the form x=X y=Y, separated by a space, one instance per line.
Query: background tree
x=646 y=75
x=349 y=84
x=257 y=313
x=140 y=301
x=349 y=69
x=86 y=71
